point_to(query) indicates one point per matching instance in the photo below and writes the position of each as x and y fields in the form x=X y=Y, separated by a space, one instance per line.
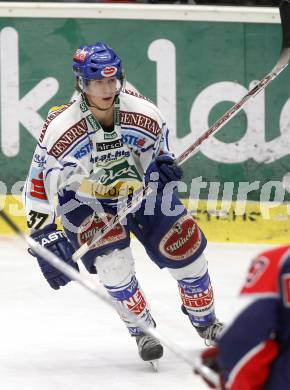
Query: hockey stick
x=283 y=61
x=194 y=362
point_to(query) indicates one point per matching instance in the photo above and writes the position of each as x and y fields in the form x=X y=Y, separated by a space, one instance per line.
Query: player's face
x=102 y=92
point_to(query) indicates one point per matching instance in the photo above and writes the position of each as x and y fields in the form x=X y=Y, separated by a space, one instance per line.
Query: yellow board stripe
x=252 y=222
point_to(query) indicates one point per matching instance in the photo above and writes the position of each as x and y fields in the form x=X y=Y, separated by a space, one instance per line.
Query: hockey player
x=92 y=153
x=254 y=349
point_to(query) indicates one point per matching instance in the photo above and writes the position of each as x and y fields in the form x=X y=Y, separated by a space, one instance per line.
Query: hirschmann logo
x=68 y=138
x=109 y=145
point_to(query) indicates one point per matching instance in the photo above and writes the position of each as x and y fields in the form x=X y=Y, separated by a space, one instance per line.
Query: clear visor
x=103 y=88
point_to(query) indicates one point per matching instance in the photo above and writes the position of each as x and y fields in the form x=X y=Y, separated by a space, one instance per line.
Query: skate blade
x=155 y=365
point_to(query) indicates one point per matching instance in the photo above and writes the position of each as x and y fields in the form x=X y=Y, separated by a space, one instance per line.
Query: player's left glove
x=209 y=369
x=167 y=169
x=56 y=241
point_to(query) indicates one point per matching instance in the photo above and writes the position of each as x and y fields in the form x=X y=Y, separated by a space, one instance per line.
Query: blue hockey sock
x=198 y=300
x=131 y=297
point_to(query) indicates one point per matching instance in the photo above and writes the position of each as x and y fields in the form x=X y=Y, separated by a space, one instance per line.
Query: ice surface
x=69 y=340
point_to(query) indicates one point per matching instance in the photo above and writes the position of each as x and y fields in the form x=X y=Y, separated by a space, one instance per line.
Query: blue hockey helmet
x=96 y=62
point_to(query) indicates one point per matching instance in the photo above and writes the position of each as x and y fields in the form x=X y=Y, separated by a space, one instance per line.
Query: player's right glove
x=209 y=369
x=55 y=241
x=167 y=170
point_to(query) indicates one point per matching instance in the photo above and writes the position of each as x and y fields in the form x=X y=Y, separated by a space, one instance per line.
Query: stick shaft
x=228 y=115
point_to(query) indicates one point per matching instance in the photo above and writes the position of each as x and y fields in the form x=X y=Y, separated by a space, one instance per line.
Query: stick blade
x=284 y=8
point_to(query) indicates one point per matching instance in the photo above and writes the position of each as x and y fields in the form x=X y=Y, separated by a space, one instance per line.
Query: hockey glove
x=209 y=369
x=56 y=241
x=167 y=169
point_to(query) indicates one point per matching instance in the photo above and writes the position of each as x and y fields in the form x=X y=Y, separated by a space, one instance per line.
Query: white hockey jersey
x=75 y=153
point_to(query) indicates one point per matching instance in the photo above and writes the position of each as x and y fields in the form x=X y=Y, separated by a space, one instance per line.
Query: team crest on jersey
x=286 y=289
x=39 y=160
x=257 y=268
x=109 y=71
x=182 y=240
x=90 y=226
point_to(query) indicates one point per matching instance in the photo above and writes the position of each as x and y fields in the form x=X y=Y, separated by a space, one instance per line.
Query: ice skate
x=150 y=350
x=210 y=332
x=207 y=332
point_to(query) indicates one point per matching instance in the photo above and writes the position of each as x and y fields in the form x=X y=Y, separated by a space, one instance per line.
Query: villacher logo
x=182 y=240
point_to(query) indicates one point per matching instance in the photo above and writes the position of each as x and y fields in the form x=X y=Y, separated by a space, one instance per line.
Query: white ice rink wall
x=194 y=62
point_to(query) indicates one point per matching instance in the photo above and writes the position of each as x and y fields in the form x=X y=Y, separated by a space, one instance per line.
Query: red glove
x=207 y=367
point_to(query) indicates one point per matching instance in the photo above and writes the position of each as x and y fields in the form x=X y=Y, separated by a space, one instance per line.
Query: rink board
x=253 y=222
x=177 y=58
x=193 y=62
